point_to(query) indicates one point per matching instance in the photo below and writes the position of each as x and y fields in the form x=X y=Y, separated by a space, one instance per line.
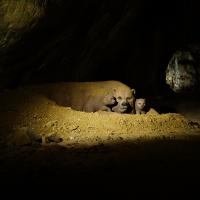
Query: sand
x=37 y=133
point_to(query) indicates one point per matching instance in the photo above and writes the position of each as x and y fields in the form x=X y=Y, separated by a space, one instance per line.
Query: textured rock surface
x=183 y=72
x=17 y=18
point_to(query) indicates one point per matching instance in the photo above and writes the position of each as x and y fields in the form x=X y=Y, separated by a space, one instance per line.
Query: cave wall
x=128 y=40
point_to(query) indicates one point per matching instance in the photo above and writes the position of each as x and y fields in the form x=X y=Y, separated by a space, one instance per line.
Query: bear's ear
x=114 y=90
x=133 y=91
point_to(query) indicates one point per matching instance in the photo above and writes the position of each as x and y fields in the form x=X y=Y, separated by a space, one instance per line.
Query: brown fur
x=89 y=96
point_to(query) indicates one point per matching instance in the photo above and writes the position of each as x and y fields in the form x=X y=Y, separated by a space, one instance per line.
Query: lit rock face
x=59 y=40
x=17 y=18
x=182 y=73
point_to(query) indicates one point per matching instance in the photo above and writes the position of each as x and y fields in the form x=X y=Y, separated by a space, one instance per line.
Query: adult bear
x=91 y=96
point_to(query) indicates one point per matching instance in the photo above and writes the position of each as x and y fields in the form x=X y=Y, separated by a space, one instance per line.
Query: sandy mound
x=42 y=142
x=26 y=118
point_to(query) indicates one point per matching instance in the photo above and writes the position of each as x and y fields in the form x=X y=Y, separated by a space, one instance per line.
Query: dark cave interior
x=130 y=41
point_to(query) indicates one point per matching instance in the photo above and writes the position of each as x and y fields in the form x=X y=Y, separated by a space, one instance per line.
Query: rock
x=183 y=72
x=53 y=138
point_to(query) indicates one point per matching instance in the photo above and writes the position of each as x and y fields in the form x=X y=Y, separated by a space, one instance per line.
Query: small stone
x=53 y=138
x=73 y=127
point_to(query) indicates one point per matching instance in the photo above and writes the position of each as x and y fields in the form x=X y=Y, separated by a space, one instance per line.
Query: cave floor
x=42 y=142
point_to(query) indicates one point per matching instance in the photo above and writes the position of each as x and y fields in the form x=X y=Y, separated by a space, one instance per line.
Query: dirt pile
x=27 y=117
x=42 y=142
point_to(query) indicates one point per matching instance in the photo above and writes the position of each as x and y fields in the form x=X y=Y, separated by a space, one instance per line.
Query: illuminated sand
x=26 y=114
x=90 y=143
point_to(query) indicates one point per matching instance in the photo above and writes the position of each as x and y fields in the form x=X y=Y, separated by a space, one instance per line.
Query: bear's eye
x=129 y=98
x=119 y=98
